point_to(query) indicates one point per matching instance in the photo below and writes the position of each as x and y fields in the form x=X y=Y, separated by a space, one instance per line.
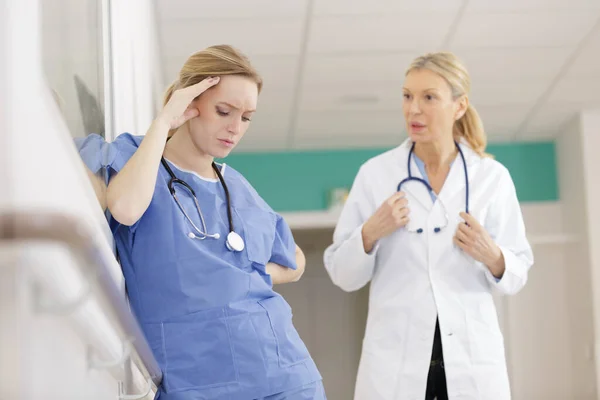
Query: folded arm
x=281 y=274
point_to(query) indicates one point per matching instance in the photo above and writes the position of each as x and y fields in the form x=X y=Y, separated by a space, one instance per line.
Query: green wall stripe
x=301 y=181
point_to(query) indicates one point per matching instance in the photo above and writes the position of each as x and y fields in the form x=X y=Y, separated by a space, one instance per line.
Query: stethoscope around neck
x=436 y=229
x=234 y=241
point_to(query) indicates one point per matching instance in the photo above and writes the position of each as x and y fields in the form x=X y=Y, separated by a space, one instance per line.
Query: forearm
x=280 y=274
x=348 y=264
x=495 y=263
x=99 y=187
x=514 y=271
x=368 y=238
x=129 y=193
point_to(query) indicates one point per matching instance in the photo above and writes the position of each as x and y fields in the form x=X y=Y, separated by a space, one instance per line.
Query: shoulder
x=96 y=142
x=97 y=153
x=121 y=149
x=485 y=168
x=91 y=151
x=127 y=140
x=91 y=141
x=495 y=170
x=382 y=164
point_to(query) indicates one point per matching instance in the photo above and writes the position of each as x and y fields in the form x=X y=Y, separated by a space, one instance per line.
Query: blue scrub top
x=216 y=326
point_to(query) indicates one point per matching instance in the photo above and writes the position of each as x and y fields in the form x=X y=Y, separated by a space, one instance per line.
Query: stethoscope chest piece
x=234 y=242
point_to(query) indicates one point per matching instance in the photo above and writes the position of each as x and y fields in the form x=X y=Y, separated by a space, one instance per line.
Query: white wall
x=536 y=321
x=541 y=349
x=330 y=321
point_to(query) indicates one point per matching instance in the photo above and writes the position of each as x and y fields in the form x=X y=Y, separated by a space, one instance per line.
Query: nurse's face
x=225 y=111
x=429 y=107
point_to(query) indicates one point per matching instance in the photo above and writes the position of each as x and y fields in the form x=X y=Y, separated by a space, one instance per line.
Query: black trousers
x=436 y=379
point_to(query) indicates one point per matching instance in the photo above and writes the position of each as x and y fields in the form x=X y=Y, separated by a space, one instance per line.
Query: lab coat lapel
x=413 y=189
x=455 y=183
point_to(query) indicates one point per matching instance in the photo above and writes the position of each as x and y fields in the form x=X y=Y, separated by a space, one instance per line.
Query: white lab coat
x=415 y=277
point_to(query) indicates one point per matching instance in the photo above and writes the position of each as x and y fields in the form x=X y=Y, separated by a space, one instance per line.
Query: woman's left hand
x=280 y=274
x=474 y=240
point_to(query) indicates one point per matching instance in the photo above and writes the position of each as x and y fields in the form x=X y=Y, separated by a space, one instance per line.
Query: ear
x=195 y=104
x=462 y=106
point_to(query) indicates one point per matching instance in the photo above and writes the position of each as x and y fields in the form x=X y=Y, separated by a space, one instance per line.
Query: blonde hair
x=449 y=66
x=216 y=60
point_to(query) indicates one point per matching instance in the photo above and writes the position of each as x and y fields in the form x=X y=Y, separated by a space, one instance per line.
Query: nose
x=235 y=127
x=414 y=107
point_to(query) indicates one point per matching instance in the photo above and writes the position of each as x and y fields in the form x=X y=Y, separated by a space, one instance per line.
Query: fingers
x=200 y=87
x=395 y=197
x=400 y=207
x=466 y=229
x=401 y=212
x=463 y=237
x=460 y=244
x=401 y=219
x=470 y=220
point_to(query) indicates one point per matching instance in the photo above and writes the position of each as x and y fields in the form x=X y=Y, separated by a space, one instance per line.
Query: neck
x=436 y=155
x=181 y=150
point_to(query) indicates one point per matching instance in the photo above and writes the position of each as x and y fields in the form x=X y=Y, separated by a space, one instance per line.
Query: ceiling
x=333 y=69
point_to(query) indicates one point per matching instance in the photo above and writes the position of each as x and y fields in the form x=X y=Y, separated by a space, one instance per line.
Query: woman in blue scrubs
x=200 y=249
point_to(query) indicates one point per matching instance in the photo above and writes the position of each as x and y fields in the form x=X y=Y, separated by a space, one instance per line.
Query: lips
x=227 y=142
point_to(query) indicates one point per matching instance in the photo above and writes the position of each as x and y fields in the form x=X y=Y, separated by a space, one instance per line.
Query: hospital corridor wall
x=549 y=335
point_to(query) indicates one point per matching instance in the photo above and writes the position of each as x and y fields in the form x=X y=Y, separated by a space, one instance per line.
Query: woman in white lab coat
x=434 y=249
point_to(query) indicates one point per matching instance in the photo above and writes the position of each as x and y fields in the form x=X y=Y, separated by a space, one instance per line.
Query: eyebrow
x=232 y=106
x=426 y=90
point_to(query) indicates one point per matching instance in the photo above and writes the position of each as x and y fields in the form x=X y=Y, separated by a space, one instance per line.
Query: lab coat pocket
x=259 y=233
x=289 y=346
x=198 y=354
x=485 y=338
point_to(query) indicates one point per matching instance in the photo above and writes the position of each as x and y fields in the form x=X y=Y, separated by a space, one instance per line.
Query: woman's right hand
x=177 y=110
x=389 y=217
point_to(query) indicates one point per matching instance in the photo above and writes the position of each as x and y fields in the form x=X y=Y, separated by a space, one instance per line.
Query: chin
x=419 y=137
x=221 y=153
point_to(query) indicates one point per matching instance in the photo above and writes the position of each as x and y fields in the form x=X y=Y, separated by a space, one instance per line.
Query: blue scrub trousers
x=312 y=391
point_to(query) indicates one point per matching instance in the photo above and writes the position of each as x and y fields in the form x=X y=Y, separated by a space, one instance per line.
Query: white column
x=579 y=172
x=135 y=65
x=590 y=130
